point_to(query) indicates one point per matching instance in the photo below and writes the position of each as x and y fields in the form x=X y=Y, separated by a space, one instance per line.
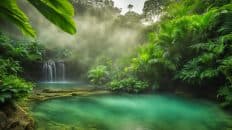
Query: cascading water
x=61 y=70
x=54 y=71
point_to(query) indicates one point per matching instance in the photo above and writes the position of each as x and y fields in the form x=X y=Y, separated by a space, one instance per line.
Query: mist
x=105 y=36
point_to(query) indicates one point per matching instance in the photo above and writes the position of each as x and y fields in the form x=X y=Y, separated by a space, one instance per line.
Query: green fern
x=226 y=93
x=14 y=88
x=98 y=75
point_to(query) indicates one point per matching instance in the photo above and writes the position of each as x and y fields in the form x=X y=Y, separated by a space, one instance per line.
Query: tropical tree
x=59 y=12
x=130 y=7
x=154 y=6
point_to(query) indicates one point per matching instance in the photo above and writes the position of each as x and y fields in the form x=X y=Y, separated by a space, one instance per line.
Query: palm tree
x=130 y=7
x=59 y=12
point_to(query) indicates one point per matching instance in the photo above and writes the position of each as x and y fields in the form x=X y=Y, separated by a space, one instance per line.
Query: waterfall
x=54 y=71
x=61 y=70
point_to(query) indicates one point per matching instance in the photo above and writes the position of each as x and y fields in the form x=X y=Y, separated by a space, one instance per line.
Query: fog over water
x=97 y=37
x=129 y=112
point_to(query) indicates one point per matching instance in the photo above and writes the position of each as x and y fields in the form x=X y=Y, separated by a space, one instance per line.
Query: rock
x=13 y=117
x=14 y=125
x=29 y=127
x=3 y=119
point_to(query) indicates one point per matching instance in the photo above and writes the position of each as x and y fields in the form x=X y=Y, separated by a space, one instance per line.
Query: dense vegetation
x=13 y=54
x=17 y=54
x=189 y=47
x=186 y=48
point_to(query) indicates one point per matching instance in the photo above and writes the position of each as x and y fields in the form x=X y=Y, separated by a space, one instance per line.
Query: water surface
x=128 y=112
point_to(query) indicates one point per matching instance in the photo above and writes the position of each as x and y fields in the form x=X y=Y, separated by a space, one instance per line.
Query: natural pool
x=128 y=112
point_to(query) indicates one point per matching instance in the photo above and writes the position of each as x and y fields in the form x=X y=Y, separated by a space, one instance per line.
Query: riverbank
x=130 y=111
x=15 y=117
x=46 y=94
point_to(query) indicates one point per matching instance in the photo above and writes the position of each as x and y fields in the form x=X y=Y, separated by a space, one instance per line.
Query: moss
x=41 y=95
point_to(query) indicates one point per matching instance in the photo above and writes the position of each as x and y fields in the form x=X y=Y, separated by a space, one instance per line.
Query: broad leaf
x=59 y=12
x=10 y=11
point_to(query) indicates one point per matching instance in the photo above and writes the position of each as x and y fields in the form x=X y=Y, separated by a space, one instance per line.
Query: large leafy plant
x=98 y=75
x=129 y=84
x=13 y=88
x=23 y=50
x=9 y=66
x=59 y=12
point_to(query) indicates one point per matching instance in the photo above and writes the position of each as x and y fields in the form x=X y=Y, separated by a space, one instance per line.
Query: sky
x=138 y=5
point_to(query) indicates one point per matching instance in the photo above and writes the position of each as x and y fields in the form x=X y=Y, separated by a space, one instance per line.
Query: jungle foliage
x=189 y=46
x=13 y=54
x=98 y=75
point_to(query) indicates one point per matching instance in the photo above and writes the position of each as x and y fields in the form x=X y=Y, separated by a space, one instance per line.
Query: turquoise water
x=128 y=112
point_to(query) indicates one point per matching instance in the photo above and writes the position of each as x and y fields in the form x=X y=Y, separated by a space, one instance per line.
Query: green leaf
x=63 y=6
x=10 y=11
x=59 y=12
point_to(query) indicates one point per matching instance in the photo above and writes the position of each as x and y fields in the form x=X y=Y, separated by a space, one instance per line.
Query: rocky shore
x=14 y=117
x=17 y=117
x=46 y=94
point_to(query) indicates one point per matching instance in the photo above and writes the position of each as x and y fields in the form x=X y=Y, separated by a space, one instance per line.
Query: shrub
x=21 y=50
x=98 y=75
x=8 y=66
x=128 y=85
x=13 y=54
x=225 y=93
x=13 y=88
